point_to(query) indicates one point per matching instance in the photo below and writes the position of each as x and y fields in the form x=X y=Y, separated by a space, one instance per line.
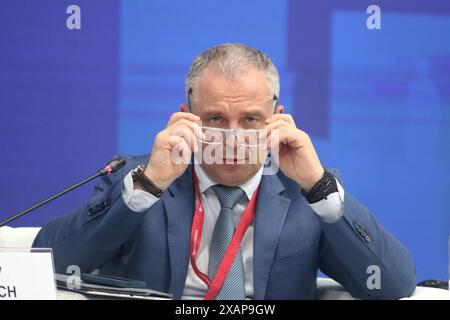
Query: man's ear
x=184 y=107
x=280 y=109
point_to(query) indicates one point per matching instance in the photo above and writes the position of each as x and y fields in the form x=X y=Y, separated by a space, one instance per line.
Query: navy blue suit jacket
x=290 y=241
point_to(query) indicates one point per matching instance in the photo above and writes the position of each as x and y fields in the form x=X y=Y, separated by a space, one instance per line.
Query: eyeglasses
x=250 y=138
x=244 y=137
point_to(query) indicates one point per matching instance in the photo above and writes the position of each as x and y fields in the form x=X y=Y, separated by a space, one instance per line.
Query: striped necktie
x=233 y=287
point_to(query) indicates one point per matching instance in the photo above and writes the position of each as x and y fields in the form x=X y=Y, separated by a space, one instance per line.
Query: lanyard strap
x=215 y=284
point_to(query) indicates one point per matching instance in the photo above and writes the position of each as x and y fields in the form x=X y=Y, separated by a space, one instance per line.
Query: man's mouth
x=234 y=161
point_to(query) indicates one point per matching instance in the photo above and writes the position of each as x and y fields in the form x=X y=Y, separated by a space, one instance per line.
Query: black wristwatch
x=144 y=182
x=322 y=189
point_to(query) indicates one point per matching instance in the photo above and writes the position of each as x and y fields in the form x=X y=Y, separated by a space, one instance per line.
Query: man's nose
x=233 y=124
x=231 y=139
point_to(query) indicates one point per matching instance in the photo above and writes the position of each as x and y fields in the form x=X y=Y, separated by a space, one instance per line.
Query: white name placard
x=27 y=274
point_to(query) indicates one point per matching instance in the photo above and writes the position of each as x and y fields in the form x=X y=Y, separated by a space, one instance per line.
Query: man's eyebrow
x=211 y=112
x=254 y=113
x=219 y=112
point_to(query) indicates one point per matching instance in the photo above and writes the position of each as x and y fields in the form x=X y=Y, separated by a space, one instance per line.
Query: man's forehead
x=249 y=85
x=243 y=109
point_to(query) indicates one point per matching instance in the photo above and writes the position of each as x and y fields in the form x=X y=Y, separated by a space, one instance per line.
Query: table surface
x=421 y=293
x=328 y=289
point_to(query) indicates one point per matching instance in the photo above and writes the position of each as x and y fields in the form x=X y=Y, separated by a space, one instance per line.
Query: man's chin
x=230 y=174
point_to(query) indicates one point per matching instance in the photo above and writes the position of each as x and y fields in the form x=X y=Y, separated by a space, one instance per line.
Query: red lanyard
x=227 y=260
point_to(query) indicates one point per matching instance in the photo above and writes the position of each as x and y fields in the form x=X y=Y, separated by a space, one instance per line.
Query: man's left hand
x=298 y=159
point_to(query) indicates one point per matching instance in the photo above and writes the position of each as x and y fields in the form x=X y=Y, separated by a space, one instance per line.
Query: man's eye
x=251 y=120
x=214 y=119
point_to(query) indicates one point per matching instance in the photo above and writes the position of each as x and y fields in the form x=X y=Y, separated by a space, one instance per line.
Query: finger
x=284 y=116
x=285 y=134
x=174 y=141
x=186 y=134
x=293 y=137
x=278 y=124
x=181 y=153
x=194 y=127
x=280 y=127
x=182 y=115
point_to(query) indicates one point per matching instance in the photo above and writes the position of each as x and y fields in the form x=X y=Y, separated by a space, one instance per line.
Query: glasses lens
x=213 y=136
x=250 y=138
x=244 y=138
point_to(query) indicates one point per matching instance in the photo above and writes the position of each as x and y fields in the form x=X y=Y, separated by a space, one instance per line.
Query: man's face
x=244 y=103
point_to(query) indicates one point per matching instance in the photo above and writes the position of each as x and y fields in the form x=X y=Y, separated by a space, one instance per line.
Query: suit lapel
x=179 y=205
x=271 y=211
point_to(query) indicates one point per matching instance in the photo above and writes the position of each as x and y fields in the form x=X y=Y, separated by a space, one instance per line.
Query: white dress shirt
x=329 y=210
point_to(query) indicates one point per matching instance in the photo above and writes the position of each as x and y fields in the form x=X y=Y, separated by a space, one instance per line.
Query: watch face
x=137 y=170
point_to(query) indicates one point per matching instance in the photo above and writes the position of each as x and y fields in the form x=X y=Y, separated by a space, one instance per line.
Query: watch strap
x=139 y=177
x=322 y=189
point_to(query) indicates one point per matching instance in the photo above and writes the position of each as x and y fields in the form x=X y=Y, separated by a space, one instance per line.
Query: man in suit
x=181 y=226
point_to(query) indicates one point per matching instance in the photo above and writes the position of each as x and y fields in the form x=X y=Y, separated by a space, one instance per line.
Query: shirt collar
x=249 y=187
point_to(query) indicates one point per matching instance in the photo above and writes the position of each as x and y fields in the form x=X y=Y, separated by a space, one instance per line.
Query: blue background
x=375 y=102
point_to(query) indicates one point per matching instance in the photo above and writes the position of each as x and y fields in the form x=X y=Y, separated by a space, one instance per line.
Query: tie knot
x=228 y=196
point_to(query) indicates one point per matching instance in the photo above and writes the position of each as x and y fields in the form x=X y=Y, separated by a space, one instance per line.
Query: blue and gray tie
x=234 y=284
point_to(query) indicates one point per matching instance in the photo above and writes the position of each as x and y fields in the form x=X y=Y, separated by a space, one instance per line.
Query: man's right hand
x=172 y=149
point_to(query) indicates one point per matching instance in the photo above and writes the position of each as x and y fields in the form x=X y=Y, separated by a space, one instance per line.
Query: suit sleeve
x=93 y=234
x=361 y=255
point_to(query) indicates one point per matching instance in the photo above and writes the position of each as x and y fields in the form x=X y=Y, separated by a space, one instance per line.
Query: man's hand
x=172 y=149
x=297 y=157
